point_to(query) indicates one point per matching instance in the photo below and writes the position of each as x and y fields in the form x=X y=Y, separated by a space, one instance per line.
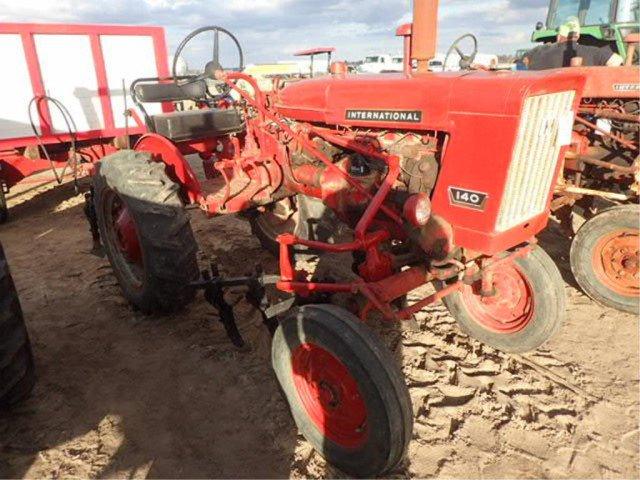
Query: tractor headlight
x=417 y=209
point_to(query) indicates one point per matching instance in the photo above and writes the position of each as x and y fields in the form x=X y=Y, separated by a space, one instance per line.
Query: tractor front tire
x=528 y=307
x=17 y=372
x=146 y=232
x=346 y=393
x=605 y=258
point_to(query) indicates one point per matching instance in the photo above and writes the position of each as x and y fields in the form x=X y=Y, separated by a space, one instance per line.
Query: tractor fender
x=165 y=151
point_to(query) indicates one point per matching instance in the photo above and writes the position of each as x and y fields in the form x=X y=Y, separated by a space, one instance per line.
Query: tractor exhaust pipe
x=424 y=32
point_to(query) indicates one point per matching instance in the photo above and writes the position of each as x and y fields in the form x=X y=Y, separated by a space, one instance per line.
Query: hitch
x=92 y=218
x=214 y=285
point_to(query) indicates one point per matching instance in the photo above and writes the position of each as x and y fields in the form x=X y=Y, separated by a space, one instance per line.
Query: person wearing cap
x=567 y=52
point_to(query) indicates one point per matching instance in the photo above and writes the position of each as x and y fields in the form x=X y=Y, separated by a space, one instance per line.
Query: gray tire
x=360 y=416
x=159 y=280
x=539 y=304
x=17 y=372
x=605 y=258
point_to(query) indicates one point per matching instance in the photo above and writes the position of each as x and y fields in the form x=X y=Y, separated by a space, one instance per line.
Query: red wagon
x=62 y=107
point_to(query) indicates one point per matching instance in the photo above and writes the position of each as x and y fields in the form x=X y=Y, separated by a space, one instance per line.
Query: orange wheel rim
x=616 y=261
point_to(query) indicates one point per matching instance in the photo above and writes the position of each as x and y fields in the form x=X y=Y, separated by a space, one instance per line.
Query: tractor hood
x=419 y=102
x=492 y=120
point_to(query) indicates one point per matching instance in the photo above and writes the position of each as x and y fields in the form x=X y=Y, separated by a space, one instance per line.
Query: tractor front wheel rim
x=330 y=395
x=510 y=308
x=616 y=262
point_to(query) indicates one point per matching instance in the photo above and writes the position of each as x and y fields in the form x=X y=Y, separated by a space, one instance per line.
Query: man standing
x=568 y=52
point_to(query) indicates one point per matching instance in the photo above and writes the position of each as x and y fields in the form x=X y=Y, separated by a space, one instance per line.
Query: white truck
x=381 y=63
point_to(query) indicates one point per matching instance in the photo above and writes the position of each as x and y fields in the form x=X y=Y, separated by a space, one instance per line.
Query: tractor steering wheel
x=465 y=60
x=212 y=66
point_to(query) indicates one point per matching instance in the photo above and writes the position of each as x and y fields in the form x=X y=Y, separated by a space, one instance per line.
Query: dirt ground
x=123 y=395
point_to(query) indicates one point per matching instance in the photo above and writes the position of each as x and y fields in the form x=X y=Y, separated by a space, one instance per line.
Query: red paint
x=35 y=74
x=330 y=395
x=15 y=168
x=178 y=169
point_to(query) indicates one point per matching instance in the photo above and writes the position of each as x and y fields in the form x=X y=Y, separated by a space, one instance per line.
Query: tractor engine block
x=418 y=160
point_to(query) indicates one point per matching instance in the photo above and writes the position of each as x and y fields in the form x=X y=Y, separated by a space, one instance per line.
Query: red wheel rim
x=510 y=309
x=616 y=262
x=126 y=233
x=122 y=236
x=330 y=395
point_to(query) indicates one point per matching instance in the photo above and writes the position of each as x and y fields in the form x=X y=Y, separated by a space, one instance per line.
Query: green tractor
x=604 y=22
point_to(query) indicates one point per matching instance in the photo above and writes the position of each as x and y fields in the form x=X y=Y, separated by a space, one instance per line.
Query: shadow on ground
x=123 y=394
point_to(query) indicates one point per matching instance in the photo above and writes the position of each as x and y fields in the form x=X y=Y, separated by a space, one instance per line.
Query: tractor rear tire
x=150 y=244
x=306 y=217
x=527 y=310
x=277 y=218
x=605 y=258
x=17 y=372
x=346 y=392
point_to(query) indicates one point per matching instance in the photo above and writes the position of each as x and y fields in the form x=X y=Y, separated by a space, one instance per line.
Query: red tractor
x=438 y=178
x=602 y=179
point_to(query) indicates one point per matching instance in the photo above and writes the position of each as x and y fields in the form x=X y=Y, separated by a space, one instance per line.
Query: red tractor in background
x=602 y=179
x=438 y=178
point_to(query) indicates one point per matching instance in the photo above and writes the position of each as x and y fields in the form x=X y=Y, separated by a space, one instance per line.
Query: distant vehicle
x=603 y=22
x=436 y=65
x=381 y=64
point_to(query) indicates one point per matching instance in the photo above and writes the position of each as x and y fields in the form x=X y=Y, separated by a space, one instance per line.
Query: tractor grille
x=544 y=122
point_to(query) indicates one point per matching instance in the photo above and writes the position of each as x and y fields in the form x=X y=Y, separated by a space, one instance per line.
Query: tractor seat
x=180 y=126
x=169 y=92
x=195 y=124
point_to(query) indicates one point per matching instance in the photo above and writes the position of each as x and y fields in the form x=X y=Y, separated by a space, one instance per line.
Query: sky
x=271 y=30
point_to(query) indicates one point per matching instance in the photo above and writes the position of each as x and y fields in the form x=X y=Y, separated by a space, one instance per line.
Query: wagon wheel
x=346 y=393
x=528 y=306
x=145 y=231
x=605 y=258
